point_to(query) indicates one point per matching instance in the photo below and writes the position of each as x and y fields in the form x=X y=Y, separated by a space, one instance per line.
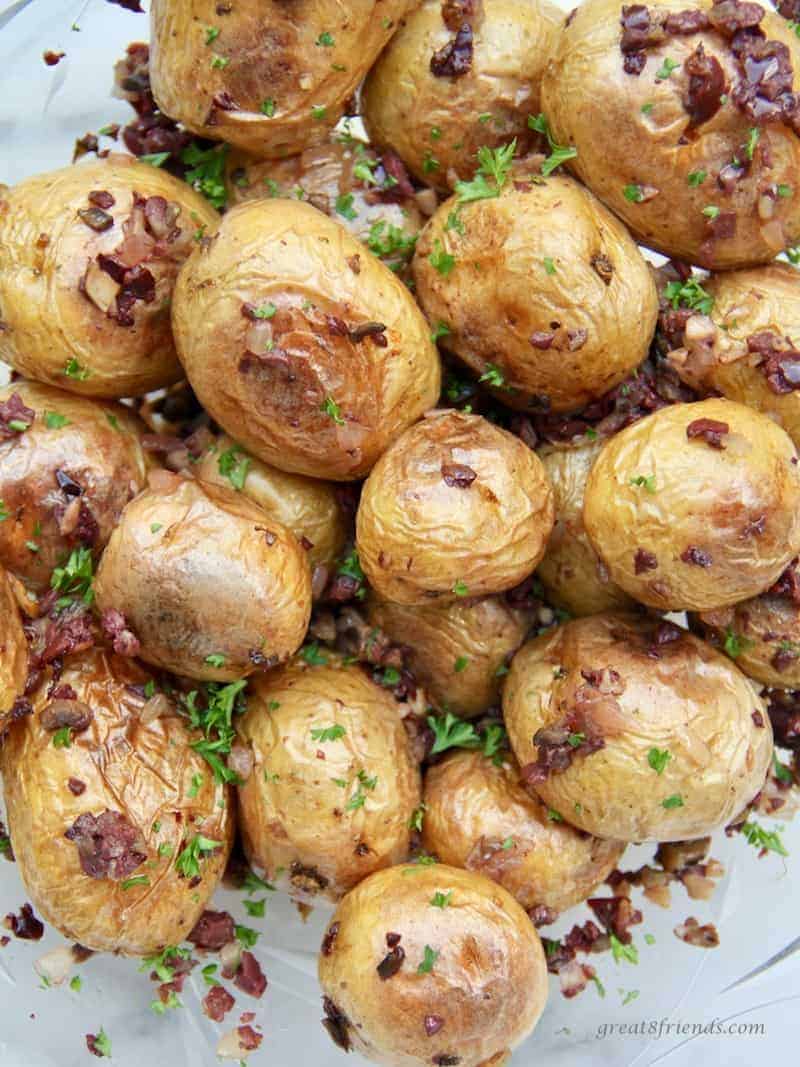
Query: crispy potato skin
x=193 y=573
x=293 y=815
x=144 y=772
x=488 y=981
x=441 y=636
x=418 y=537
x=593 y=104
x=689 y=700
x=106 y=460
x=292 y=256
x=570 y=571
x=267 y=50
x=503 y=289
x=489 y=105
x=704 y=499
x=13 y=651
x=473 y=806
x=45 y=248
x=766 y=625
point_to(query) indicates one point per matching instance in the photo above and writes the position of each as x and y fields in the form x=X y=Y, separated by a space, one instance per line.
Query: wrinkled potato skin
x=484 y=632
x=107 y=461
x=13 y=651
x=291 y=811
x=765 y=623
x=488 y=982
x=403 y=101
x=499 y=292
x=48 y=320
x=472 y=807
x=417 y=536
x=205 y=582
x=272 y=54
x=571 y=573
x=143 y=771
x=690 y=700
x=704 y=498
x=593 y=104
x=287 y=254
x=305 y=506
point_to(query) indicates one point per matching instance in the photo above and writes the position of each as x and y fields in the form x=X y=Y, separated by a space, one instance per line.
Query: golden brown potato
x=88 y=260
x=334 y=782
x=696 y=506
x=264 y=75
x=209 y=584
x=300 y=344
x=457 y=652
x=571 y=573
x=65 y=479
x=437 y=123
x=110 y=822
x=548 y=297
x=636 y=730
x=409 y=983
x=13 y=652
x=478 y=816
x=660 y=147
x=455 y=508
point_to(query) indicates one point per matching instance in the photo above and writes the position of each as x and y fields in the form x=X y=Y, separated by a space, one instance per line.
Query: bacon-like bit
x=788 y=585
x=391 y=963
x=454 y=59
x=558 y=744
x=107 y=845
x=696 y=556
x=644 y=561
x=249 y=977
x=375 y=330
x=101 y=198
x=710 y=430
x=52 y=59
x=249 y=1040
x=779 y=363
x=603 y=267
x=616 y=914
x=15 y=417
x=703 y=97
x=337 y=1024
x=542 y=915
x=458 y=475
x=433 y=1024
x=217 y=1003
x=329 y=939
x=25 y=926
x=693 y=933
x=60 y=713
x=76 y=786
x=95 y=218
x=212 y=931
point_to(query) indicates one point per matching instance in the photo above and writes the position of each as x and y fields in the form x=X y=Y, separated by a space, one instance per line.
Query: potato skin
x=440 y=637
x=144 y=771
x=593 y=104
x=473 y=806
x=267 y=50
x=418 y=537
x=488 y=981
x=195 y=575
x=13 y=651
x=290 y=254
x=768 y=632
x=739 y=507
x=45 y=252
x=688 y=699
x=533 y=261
x=99 y=448
x=293 y=815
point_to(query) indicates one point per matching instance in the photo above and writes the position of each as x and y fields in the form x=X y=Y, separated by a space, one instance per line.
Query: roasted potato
x=636 y=730
x=299 y=343
x=110 y=816
x=13 y=652
x=456 y=507
x=66 y=473
x=546 y=296
x=686 y=136
x=265 y=76
x=88 y=260
x=478 y=816
x=436 y=95
x=696 y=506
x=406 y=983
x=209 y=584
x=334 y=782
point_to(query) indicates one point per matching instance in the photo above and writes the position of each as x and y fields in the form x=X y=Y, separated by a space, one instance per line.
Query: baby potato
x=13 y=652
x=546 y=297
x=300 y=344
x=426 y=965
x=269 y=77
x=120 y=832
x=209 y=584
x=437 y=119
x=456 y=507
x=66 y=473
x=457 y=652
x=334 y=781
x=695 y=506
x=690 y=137
x=635 y=730
x=478 y=816
x=88 y=260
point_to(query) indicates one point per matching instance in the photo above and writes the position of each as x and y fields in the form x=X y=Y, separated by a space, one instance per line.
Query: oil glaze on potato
x=13 y=652
x=276 y=323
x=655 y=697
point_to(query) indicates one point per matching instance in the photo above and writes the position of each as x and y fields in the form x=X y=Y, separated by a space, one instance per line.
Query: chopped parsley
x=646 y=481
x=318 y=111
x=233 y=464
x=325 y=40
x=430 y=957
x=735 y=644
x=328 y=733
x=658 y=758
x=711 y=212
x=460 y=588
x=102 y=1044
x=549 y=265
x=358 y=798
x=255 y=908
x=753 y=137
x=666 y=69
x=696 y=177
x=633 y=193
x=558 y=153
x=418 y=814
x=493 y=376
x=330 y=407
x=494 y=166
x=675 y=801
x=461 y=664
x=245 y=935
x=689 y=294
x=196 y=786
x=344 y=207
x=130 y=883
x=198 y=848
x=268 y=107
x=206 y=168
x=441 y=330
x=311 y=654
x=155 y=159
x=54 y=421
x=440 y=260
x=629 y=953
x=442 y=900
x=62 y=738
x=73 y=369
x=769 y=840
x=219 y=62
x=74 y=578
x=215 y=719
x=782 y=772
x=212 y=33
